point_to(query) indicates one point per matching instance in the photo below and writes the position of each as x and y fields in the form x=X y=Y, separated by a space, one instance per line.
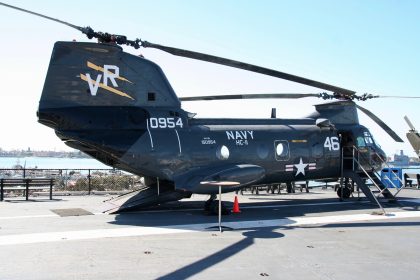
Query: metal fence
x=85 y=181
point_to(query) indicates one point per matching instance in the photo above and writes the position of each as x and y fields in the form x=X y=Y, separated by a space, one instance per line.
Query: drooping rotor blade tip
x=381 y=124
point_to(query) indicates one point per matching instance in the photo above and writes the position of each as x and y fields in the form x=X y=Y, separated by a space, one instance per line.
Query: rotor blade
x=103 y=37
x=248 y=67
x=395 y=96
x=407 y=120
x=381 y=124
x=251 y=96
x=43 y=16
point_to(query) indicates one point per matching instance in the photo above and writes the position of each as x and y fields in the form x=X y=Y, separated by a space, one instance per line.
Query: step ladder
x=362 y=171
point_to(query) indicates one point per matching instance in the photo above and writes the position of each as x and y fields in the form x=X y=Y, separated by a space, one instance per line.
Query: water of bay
x=52 y=163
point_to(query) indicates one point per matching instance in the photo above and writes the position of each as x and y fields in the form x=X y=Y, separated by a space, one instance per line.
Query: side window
x=281 y=150
x=360 y=142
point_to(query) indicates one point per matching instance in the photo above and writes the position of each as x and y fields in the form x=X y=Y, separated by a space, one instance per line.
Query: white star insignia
x=300 y=167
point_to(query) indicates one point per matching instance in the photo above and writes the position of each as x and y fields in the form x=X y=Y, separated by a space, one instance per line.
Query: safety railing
x=82 y=181
x=367 y=161
x=374 y=183
x=389 y=179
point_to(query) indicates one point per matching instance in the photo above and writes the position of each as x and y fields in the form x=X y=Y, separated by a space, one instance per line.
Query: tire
x=346 y=192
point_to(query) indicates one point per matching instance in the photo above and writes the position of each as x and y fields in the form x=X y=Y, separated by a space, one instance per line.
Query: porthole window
x=222 y=152
x=281 y=149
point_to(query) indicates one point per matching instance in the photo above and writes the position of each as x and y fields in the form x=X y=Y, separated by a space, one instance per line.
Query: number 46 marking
x=332 y=143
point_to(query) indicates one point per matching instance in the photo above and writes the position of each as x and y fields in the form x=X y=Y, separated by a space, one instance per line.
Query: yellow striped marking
x=101 y=85
x=99 y=68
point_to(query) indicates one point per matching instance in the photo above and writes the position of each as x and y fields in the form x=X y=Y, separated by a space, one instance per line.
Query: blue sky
x=366 y=46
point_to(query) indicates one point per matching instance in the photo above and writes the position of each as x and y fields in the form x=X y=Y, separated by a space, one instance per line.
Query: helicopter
x=413 y=136
x=121 y=110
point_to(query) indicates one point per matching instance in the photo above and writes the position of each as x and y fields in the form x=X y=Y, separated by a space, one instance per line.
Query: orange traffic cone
x=236 y=206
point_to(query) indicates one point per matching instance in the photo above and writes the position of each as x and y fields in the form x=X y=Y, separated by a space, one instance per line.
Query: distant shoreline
x=42 y=156
x=45 y=154
x=29 y=162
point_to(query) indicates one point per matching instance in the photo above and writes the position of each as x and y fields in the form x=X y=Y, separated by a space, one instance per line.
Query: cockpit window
x=361 y=142
x=376 y=142
x=368 y=138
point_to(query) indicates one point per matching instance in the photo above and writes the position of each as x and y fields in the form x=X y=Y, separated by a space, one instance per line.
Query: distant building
x=402 y=160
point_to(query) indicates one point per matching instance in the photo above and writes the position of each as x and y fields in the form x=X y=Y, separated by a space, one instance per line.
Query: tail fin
x=90 y=74
x=96 y=96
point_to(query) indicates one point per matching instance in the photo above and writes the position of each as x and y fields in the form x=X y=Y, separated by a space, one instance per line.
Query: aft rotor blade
x=43 y=16
x=381 y=124
x=248 y=67
x=88 y=31
x=251 y=96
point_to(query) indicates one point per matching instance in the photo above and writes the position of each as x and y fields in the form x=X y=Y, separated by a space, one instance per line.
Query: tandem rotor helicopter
x=121 y=110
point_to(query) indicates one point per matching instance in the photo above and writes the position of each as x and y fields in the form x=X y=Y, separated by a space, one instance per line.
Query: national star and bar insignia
x=300 y=167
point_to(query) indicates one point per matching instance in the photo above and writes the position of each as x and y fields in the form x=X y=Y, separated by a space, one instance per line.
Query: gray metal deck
x=293 y=236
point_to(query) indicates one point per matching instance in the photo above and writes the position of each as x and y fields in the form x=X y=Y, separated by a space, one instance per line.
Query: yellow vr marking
x=101 y=85
x=99 y=68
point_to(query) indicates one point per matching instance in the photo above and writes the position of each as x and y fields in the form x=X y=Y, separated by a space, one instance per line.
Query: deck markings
x=415 y=200
x=28 y=217
x=134 y=231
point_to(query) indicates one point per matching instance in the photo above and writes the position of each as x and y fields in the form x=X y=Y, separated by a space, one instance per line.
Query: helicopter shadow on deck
x=266 y=233
x=249 y=239
x=190 y=212
x=182 y=212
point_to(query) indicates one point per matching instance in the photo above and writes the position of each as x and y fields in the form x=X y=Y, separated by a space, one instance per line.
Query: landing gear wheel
x=214 y=208
x=346 y=192
x=209 y=202
x=290 y=188
x=211 y=207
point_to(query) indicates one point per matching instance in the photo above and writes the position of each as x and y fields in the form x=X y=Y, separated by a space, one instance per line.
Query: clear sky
x=366 y=46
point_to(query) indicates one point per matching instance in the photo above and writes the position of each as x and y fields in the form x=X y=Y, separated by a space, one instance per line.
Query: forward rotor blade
x=248 y=67
x=251 y=96
x=381 y=124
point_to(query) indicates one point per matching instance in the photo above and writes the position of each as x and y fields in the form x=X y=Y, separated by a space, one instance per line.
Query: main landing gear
x=344 y=192
x=346 y=189
x=211 y=206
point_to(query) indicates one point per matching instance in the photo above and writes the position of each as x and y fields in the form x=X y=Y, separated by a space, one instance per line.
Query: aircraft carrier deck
x=289 y=236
